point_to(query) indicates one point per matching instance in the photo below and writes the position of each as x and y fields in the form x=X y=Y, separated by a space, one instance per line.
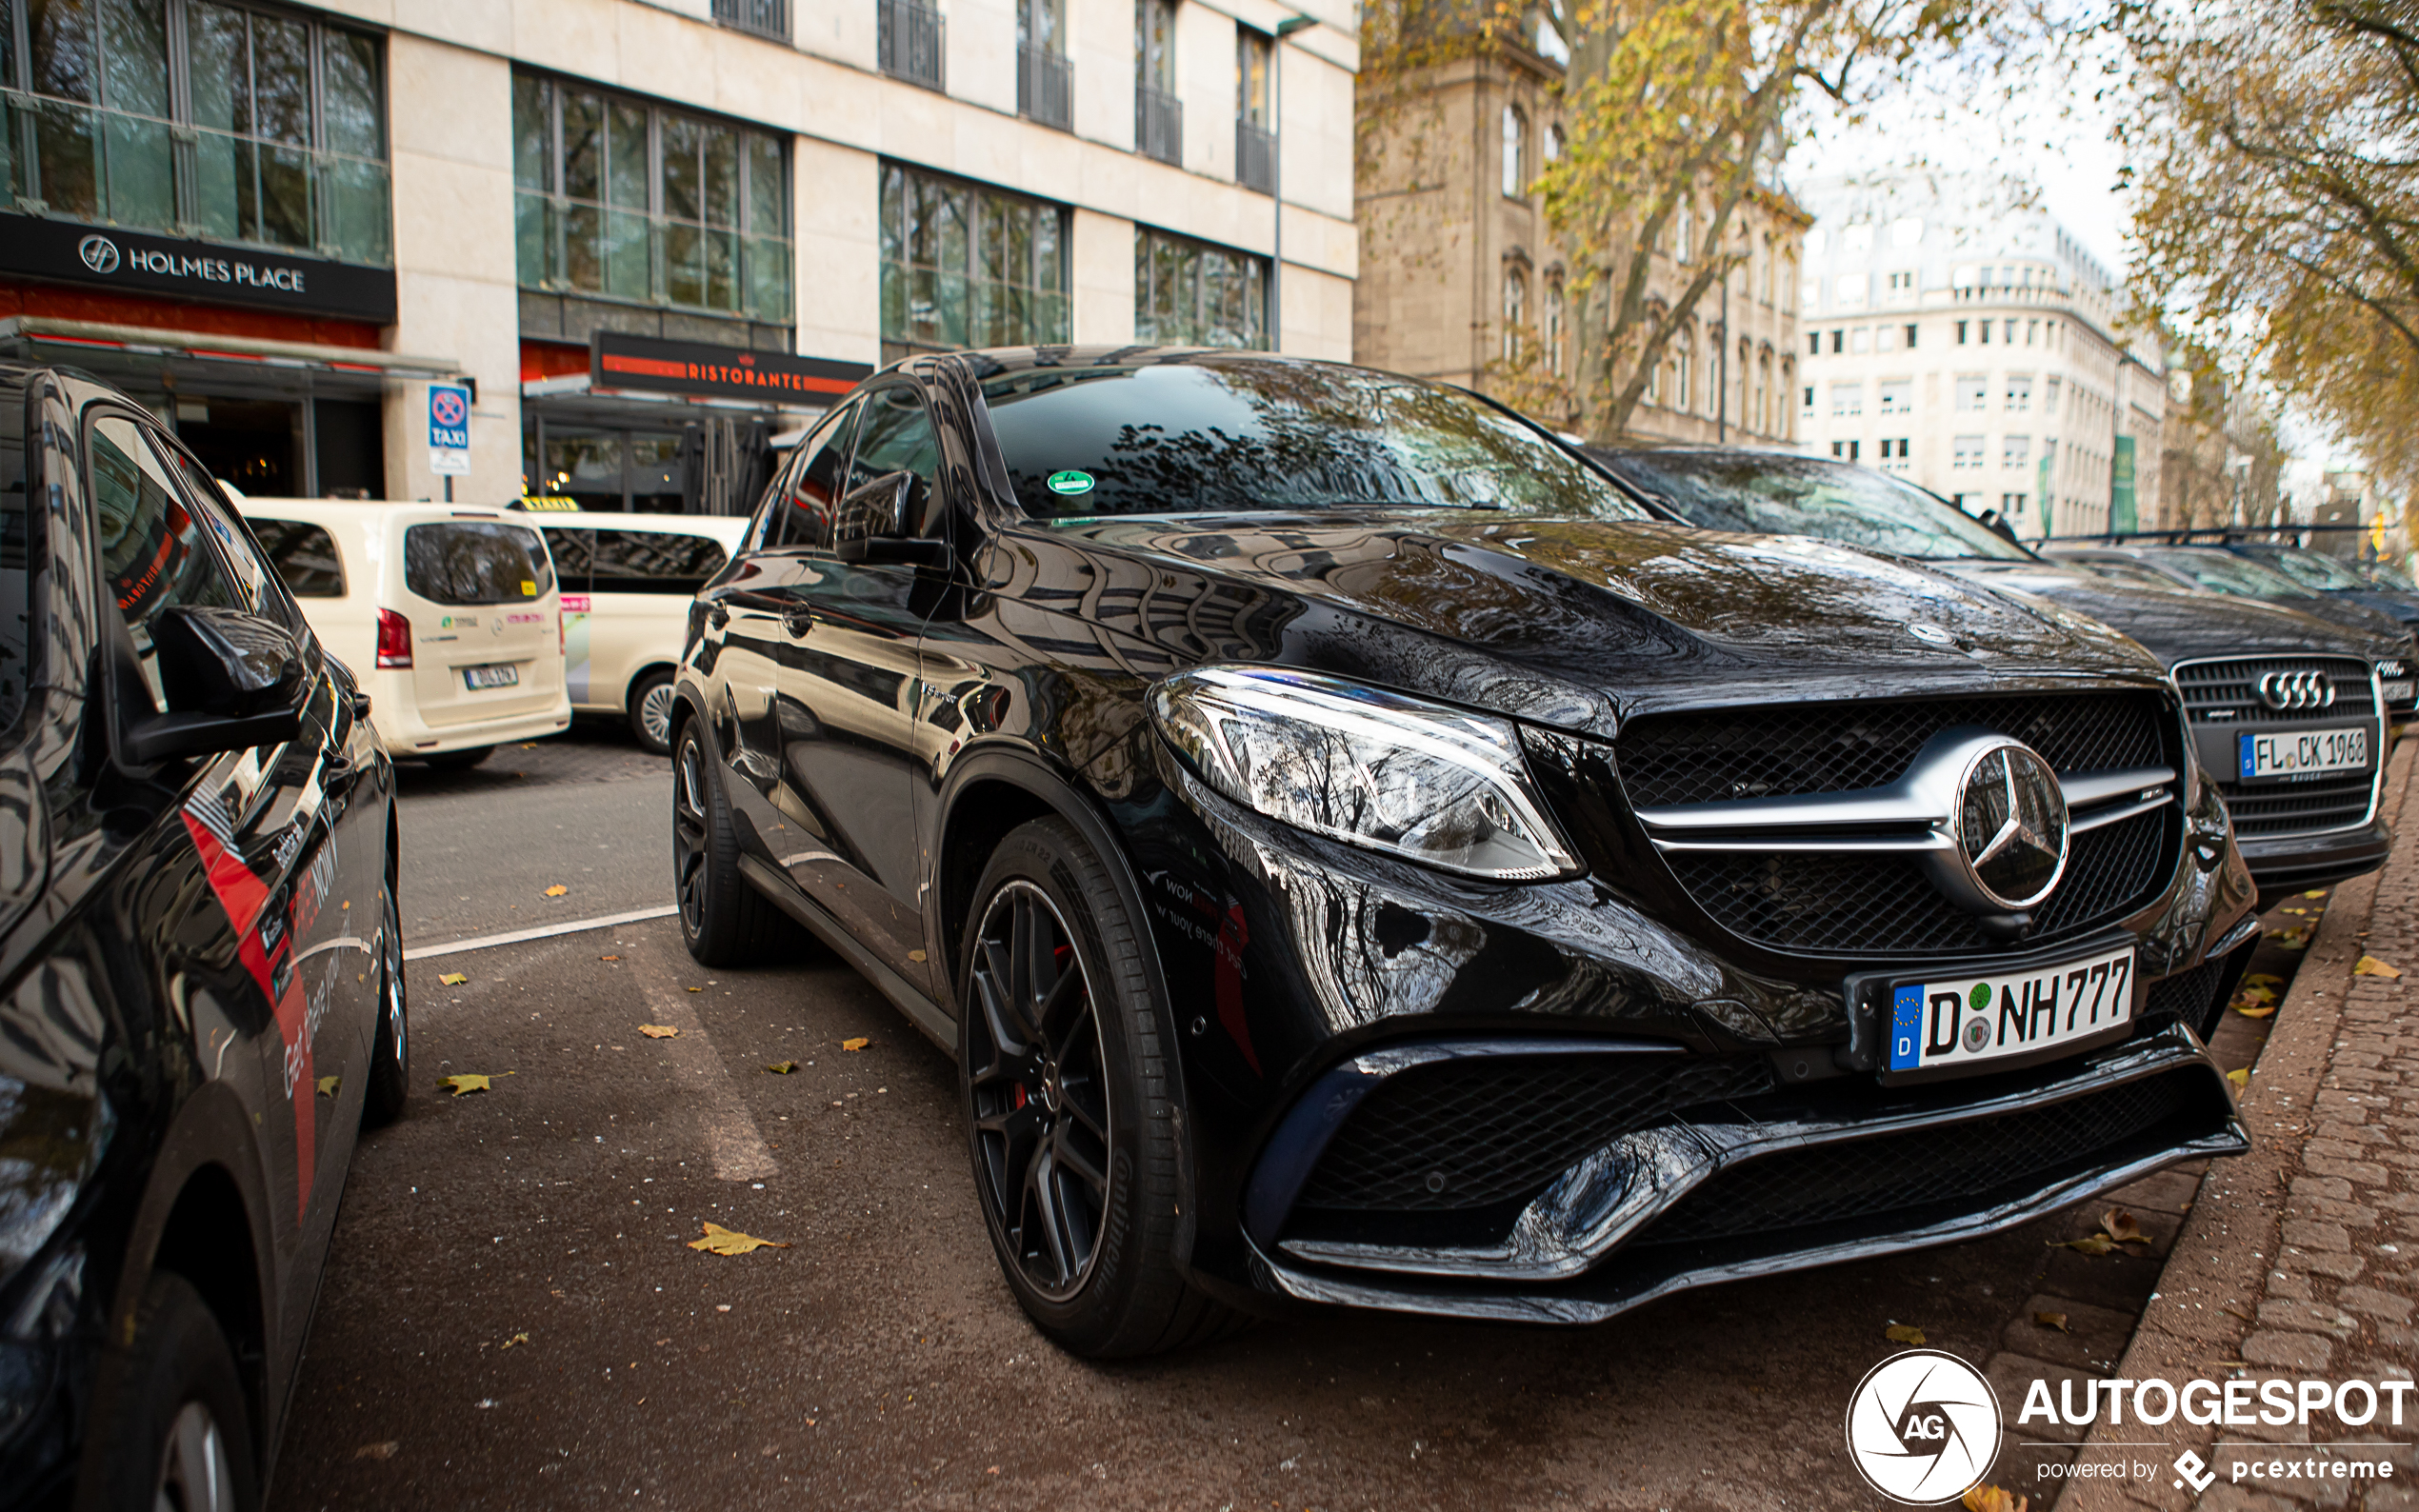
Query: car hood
x=2182 y=626
x=2401 y=607
x=1584 y=623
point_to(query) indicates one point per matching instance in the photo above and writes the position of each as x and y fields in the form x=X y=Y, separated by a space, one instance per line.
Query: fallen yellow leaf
x=659 y=1031
x=2088 y=1243
x=328 y=1086
x=697 y=990
x=557 y=890
x=1990 y=1499
x=463 y=1085
x=858 y=1044
x=2123 y=1227
x=516 y=1339
x=782 y=1068
x=2240 y=1077
x=721 y=1240
x=608 y=958
x=2249 y=1012
x=1903 y=1334
x=2263 y=979
x=2315 y=892
x=377 y=1451
x=2052 y=1319
x=2371 y=966
x=453 y=978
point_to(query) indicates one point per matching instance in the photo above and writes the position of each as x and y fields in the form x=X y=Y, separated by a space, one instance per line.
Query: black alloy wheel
x=390 y=1062
x=1068 y=1072
x=724 y=922
x=1040 y=1106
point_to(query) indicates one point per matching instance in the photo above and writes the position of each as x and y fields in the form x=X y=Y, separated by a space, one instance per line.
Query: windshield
x=1257 y=434
x=2310 y=569
x=1782 y=495
x=2132 y=574
x=2225 y=572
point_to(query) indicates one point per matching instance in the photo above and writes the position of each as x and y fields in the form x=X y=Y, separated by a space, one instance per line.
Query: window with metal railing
x=1045 y=87
x=1159 y=125
x=622 y=199
x=766 y=18
x=911 y=42
x=1255 y=158
x=196 y=118
x=1255 y=140
x=1159 y=116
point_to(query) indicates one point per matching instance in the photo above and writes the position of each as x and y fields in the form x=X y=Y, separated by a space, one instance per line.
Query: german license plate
x=2289 y=753
x=1962 y=1021
x=495 y=674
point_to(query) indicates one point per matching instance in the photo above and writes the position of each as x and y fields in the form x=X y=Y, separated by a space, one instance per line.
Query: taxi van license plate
x=499 y=674
x=2292 y=752
x=1962 y=1021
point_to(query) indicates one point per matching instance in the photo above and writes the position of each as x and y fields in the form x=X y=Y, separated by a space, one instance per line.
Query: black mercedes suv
x=2289 y=713
x=1356 y=855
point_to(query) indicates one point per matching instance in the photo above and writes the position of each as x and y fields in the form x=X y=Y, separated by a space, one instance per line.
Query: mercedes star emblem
x=2010 y=821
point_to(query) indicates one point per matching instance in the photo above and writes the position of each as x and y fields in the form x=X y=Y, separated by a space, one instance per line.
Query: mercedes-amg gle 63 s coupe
x=1356 y=855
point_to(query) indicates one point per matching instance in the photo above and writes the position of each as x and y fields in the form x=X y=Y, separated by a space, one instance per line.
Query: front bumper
x=2285 y=864
x=1784 y=1181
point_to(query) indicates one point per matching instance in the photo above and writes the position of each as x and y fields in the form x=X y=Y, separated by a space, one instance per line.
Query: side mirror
x=232 y=681
x=871 y=512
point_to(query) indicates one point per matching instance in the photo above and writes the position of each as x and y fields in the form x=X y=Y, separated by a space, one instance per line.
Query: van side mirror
x=232 y=681
x=870 y=512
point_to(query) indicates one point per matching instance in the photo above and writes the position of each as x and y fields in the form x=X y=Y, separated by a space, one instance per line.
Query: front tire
x=724 y=922
x=1067 y=1072
x=651 y=706
x=179 y=1435
x=390 y=1062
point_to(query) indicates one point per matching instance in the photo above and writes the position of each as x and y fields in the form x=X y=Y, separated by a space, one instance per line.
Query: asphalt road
x=511 y=1315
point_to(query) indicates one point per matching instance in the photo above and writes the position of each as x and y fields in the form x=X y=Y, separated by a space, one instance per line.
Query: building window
x=1515 y=311
x=1515 y=136
x=1973 y=391
x=1885 y=338
x=1159 y=116
x=1844 y=450
x=1966 y=452
x=1847 y=400
x=1190 y=293
x=1809 y=404
x=1895 y=453
x=766 y=18
x=2013 y=504
x=1553 y=325
x=1848 y=290
x=1860 y=340
x=1898 y=396
x=1683 y=218
x=1762 y=410
x=1986 y=332
x=911 y=42
x=966 y=265
x=1683 y=375
x=1256 y=123
x=1813 y=344
x=277 y=136
x=1910 y=337
x=1044 y=80
x=2016 y=452
x=626 y=200
x=2049 y=396
x=1901 y=286
x=1960 y=333
x=1550 y=144
x=2019 y=395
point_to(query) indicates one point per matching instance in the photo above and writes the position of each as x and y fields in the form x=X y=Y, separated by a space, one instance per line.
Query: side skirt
x=921 y=1011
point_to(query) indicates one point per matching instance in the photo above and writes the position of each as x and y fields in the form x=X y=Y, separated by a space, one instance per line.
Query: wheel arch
x=669 y=665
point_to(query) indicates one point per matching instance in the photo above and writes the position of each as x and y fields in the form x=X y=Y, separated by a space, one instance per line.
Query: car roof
x=718 y=525
x=349 y=513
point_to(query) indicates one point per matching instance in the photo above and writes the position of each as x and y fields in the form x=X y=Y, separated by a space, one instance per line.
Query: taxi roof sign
x=548 y=504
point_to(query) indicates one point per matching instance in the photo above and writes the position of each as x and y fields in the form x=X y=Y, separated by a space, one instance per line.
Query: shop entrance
x=288 y=448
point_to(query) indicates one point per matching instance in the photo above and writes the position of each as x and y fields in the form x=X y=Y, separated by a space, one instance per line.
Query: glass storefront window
x=275 y=136
x=1190 y=293
x=965 y=266
x=611 y=469
x=625 y=200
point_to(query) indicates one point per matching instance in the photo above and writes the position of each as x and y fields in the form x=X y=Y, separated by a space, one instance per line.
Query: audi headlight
x=1367 y=767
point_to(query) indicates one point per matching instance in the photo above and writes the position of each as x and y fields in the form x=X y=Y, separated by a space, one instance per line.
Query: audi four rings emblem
x=2292 y=690
x=99 y=253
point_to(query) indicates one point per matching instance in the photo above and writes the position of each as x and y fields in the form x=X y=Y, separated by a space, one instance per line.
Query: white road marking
x=545 y=931
x=739 y=1151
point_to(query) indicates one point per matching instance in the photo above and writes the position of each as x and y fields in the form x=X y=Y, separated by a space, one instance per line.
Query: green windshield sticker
x=1069 y=481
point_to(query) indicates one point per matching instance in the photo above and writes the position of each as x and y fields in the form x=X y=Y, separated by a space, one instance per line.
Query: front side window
x=155 y=553
x=620 y=199
x=806 y=499
x=193 y=116
x=1237 y=435
x=475 y=562
x=1190 y=293
x=967 y=266
x=2223 y=572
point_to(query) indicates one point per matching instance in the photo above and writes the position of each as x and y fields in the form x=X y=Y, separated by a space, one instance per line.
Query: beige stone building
x=646 y=232
x=1459 y=274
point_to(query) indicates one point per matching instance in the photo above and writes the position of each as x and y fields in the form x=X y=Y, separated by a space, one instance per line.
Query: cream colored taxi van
x=450 y=616
x=628 y=580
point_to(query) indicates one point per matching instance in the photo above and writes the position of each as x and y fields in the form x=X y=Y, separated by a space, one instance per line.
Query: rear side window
x=305 y=557
x=654 y=562
x=475 y=562
x=572 y=550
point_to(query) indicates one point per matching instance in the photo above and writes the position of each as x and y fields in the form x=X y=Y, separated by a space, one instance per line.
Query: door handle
x=717 y=615
x=359 y=703
x=798 y=622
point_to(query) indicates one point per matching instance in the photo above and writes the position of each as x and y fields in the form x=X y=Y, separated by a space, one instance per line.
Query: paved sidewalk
x=2300 y=1260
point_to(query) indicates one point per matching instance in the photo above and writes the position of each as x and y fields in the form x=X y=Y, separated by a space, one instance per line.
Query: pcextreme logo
x=1923 y=1428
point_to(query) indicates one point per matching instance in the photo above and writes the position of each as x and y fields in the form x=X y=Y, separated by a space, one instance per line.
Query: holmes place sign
x=137 y=262
x=617 y=360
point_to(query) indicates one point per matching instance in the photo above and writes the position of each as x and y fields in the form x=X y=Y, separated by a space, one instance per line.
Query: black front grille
x=2333 y=802
x=1968 y=1164
x=1847 y=902
x=1709 y=755
x=1469 y=1133
x=2230 y=690
x=2190 y=997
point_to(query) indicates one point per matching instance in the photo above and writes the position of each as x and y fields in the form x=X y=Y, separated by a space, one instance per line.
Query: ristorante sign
x=137 y=262
x=616 y=360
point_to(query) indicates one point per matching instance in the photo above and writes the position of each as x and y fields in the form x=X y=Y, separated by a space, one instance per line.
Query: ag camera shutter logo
x=1923 y=1428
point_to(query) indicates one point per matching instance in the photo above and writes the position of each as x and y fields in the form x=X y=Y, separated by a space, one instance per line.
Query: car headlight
x=1367 y=767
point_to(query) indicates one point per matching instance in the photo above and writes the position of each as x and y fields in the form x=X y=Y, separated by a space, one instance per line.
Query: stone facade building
x=1460 y=274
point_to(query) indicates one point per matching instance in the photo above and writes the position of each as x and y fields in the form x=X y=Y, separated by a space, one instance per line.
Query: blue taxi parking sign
x=449 y=428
